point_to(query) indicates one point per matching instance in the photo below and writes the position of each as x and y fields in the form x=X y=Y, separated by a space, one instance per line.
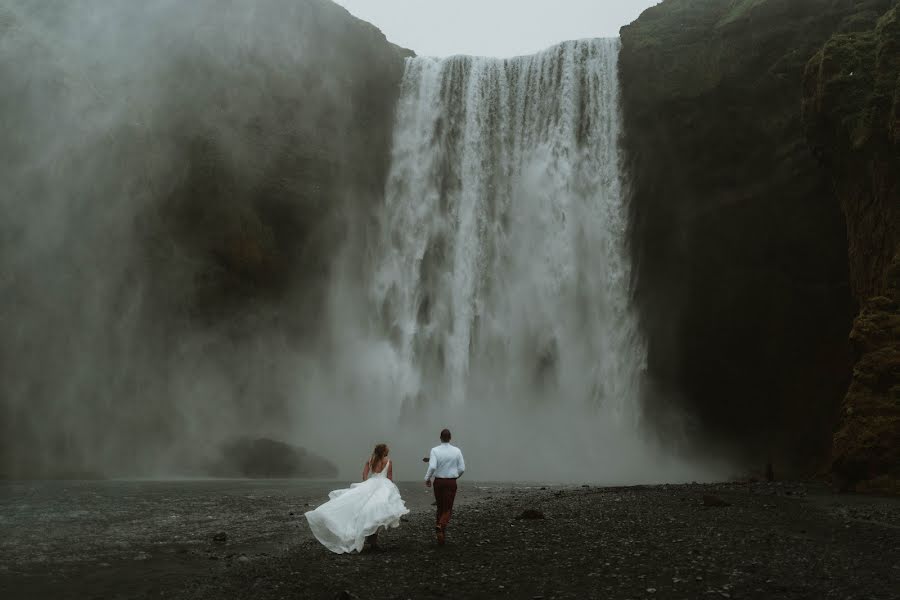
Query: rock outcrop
x=743 y=279
x=852 y=115
x=264 y=458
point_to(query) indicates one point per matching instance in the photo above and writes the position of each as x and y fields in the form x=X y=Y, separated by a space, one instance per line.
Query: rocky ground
x=759 y=540
x=676 y=541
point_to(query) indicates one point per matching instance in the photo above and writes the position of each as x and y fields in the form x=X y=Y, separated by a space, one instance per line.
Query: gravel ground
x=772 y=541
x=788 y=541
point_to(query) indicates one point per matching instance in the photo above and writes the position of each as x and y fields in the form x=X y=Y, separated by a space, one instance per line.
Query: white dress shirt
x=446 y=462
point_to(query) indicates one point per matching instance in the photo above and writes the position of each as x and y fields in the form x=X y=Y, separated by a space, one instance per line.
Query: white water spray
x=500 y=276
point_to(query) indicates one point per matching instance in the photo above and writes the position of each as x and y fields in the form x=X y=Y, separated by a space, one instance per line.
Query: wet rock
x=701 y=54
x=220 y=537
x=530 y=514
x=345 y=595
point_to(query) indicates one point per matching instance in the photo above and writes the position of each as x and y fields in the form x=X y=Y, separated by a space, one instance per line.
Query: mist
x=191 y=217
x=174 y=179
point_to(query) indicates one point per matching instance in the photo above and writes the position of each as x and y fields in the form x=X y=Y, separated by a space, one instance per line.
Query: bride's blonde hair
x=380 y=451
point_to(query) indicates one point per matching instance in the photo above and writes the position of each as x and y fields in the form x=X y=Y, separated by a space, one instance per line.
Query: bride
x=353 y=515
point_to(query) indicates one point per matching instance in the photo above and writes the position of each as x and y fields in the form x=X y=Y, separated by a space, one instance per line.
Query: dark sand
x=773 y=541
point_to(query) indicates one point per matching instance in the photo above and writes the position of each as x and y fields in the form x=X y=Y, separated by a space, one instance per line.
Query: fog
x=166 y=169
x=190 y=218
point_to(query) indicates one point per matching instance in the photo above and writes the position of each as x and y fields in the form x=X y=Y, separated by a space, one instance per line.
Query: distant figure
x=445 y=466
x=353 y=516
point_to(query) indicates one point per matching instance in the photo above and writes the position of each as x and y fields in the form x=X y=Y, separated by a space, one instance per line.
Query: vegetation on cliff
x=852 y=115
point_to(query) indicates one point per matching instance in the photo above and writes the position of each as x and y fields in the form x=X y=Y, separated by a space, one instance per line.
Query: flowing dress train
x=351 y=515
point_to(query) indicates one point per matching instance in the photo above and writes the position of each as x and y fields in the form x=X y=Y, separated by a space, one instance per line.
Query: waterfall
x=189 y=258
x=501 y=273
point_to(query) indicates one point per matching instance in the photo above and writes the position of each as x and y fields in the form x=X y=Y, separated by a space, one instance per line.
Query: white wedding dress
x=350 y=515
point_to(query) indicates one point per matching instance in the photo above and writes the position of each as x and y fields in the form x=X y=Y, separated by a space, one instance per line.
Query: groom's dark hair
x=445 y=435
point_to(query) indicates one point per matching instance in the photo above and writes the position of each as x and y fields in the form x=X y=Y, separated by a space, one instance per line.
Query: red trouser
x=444 y=493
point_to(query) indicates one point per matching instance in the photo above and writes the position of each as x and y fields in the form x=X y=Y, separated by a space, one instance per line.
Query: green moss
x=848 y=63
x=739 y=10
x=855 y=79
x=863 y=21
x=851 y=98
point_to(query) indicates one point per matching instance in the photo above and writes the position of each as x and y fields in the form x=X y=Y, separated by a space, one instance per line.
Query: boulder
x=264 y=458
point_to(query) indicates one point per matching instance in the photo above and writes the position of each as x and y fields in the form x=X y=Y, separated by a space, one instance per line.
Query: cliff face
x=852 y=114
x=740 y=243
x=178 y=182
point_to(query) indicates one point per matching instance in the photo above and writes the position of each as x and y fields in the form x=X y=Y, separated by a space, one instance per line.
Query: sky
x=500 y=28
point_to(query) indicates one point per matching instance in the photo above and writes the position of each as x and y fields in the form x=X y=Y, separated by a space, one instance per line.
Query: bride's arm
x=366 y=471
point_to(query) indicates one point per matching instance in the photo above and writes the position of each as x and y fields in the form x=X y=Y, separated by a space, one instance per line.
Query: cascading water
x=502 y=274
x=499 y=283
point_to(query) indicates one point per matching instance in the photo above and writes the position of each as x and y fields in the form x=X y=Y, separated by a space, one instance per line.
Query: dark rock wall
x=852 y=114
x=739 y=239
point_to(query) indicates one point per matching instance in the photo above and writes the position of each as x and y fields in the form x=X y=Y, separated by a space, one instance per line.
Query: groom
x=445 y=466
